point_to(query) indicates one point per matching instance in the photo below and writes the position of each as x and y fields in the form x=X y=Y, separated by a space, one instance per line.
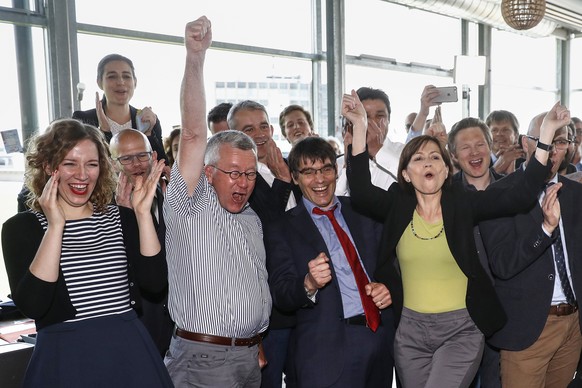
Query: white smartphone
x=447 y=94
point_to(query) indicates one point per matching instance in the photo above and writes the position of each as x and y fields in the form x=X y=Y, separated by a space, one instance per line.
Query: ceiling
x=567 y=13
x=562 y=17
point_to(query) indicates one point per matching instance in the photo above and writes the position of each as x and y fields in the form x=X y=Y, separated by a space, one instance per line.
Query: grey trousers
x=437 y=350
x=202 y=365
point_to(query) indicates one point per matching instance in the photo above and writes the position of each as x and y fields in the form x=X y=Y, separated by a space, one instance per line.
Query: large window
x=10 y=96
x=576 y=78
x=264 y=23
x=406 y=34
x=523 y=81
x=381 y=29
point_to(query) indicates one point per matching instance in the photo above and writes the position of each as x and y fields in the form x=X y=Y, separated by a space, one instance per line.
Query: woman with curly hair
x=75 y=263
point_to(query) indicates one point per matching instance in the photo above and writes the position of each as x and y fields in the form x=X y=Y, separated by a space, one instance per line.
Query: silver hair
x=235 y=139
x=243 y=105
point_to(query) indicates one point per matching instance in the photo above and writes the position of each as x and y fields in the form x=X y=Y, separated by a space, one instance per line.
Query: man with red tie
x=321 y=258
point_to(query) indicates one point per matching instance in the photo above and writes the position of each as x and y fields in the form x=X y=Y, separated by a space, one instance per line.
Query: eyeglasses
x=234 y=175
x=128 y=159
x=558 y=144
x=327 y=170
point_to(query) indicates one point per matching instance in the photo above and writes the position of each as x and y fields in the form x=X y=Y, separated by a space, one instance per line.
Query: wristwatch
x=545 y=147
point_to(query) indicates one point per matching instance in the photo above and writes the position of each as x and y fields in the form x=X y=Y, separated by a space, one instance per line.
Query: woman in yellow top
x=443 y=301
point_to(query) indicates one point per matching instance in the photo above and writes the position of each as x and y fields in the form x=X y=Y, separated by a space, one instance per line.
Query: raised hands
x=101 y=117
x=144 y=189
x=274 y=160
x=198 y=35
x=375 y=136
x=353 y=110
x=558 y=117
x=429 y=94
x=48 y=201
x=551 y=208
x=506 y=157
x=148 y=119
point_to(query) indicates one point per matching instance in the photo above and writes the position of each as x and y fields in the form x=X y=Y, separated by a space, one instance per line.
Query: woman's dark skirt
x=110 y=351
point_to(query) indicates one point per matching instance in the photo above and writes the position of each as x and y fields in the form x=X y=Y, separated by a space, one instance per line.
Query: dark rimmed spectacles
x=327 y=170
x=234 y=175
x=558 y=144
x=128 y=159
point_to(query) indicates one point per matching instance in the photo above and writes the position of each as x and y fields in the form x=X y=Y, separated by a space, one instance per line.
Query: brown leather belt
x=217 y=340
x=563 y=309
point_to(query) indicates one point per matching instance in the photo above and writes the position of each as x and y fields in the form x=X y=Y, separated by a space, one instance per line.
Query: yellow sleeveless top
x=431 y=279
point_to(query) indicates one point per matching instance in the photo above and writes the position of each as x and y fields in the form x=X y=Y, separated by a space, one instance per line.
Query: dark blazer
x=269 y=202
x=90 y=117
x=461 y=210
x=319 y=346
x=154 y=312
x=522 y=262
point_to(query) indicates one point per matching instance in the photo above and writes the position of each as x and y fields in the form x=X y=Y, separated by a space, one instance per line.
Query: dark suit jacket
x=269 y=202
x=522 y=262
x=319 y=350
x=90 y=117
x=461 y=210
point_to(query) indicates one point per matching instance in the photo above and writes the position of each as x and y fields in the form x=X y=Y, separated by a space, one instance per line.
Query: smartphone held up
x=447 y=94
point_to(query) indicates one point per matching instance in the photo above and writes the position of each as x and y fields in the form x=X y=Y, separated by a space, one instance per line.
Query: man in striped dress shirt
x=218 y=297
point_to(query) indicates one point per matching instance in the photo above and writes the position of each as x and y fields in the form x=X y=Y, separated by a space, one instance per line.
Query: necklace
x=425 y=238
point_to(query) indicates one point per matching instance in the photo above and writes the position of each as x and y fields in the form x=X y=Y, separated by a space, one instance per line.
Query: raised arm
x=558 y=117
x=197 y=39
x=429 y=93
x=369 y=199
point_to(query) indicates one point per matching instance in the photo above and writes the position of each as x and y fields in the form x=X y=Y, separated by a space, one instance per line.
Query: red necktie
x=370 y=310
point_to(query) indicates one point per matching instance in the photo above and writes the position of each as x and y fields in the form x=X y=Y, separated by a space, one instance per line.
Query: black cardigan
x=461 y=210
x=49 y=302
x=90 y=117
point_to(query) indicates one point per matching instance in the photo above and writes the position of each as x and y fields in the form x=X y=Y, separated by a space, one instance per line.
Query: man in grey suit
x=536 y=261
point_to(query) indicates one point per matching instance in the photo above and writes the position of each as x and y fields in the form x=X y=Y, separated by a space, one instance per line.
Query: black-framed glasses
x=558 y=144
x=327 y=170
x=128 y=159
x=234 y=175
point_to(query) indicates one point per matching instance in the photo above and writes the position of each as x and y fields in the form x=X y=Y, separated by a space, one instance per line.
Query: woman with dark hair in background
x=116 y=77
x=75 y=263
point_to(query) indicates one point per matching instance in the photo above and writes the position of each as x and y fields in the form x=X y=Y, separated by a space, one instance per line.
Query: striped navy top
x=94 y=264
x=216 y=263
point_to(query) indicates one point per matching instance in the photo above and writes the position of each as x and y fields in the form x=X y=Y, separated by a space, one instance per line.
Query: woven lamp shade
x=523 y=14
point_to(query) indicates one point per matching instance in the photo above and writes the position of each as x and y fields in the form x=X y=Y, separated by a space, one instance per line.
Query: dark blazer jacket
x=461 y=210
x=90 y=117
x=269 y=202
x=319 y=341
x=522 y=263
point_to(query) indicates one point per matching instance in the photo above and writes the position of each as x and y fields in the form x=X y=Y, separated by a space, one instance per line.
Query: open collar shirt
x=216 y=263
